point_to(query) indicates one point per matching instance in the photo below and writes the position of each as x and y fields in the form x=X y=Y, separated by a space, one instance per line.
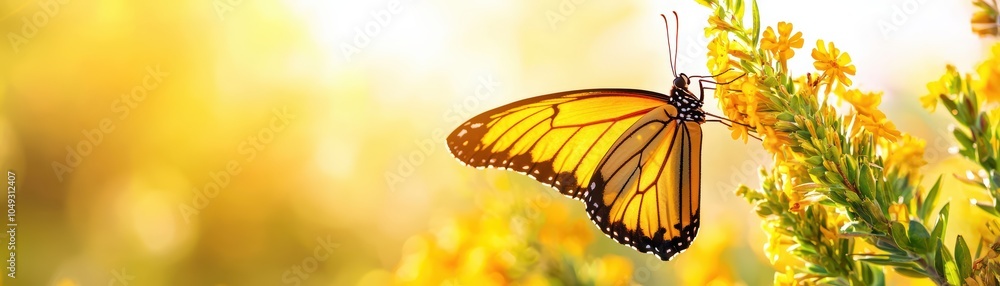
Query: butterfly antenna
x=677 y=34
x=670 y=49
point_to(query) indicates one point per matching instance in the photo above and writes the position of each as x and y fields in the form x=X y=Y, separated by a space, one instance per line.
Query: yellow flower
x=751 y=92
x=773 y=140
x=876 y=123
x=864 y=103
x=718 y=54
x=739 y=132
x=836 y=66
x=786 y=278
x=988 y=85
x=775 y=244
x=611 y=270
x=930 y=100
x=782 y=45
x=741 y=103
x=899 y=212
x=937 y=88
x=907 y=154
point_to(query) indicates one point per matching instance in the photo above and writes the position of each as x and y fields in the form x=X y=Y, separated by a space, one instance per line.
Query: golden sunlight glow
x=302 y=142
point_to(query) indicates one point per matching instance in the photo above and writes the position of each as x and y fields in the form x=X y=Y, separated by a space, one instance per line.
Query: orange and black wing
x=646 y=191
x=559 y=139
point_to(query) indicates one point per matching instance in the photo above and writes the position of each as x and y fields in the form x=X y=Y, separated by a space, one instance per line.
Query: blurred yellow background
x=300 y=142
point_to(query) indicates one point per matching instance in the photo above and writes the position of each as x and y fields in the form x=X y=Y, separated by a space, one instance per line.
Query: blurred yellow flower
x=783 y=44
x=899 y=212
x=935 y=89
x=776 y=244
x=906 y=154
x=985 y=21
x=534 y=241
x=611 y=270
x=835 y=65
x=929 y=101
x=988 y=84
x=786 y=278
x=572 y=235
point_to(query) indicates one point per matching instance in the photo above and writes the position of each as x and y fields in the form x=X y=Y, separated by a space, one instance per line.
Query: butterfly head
x=682 y=81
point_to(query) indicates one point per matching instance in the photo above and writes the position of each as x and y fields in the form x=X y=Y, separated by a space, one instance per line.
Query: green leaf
x=948 y=103
x=815 y=160
x=817 y=269
x=924 y=210
x=746 y=66
x=887 y=259
x=943 y=261
x=942 y=223
x=851 y=196
x=920 y=239
x=962 y=138
x=898 y=232
x=817 y=171
x=988 y=208
x=910 y=271
x=873 y=275
x=951 y=272
x=962 y=258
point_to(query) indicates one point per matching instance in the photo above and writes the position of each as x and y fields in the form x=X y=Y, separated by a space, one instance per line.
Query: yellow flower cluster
x=509 y=243
x=867 y=115
x=986 y=84
x=824 y=161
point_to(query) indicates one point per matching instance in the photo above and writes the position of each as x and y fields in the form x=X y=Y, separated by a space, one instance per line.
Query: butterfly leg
x=730 y=126
x=702 y=82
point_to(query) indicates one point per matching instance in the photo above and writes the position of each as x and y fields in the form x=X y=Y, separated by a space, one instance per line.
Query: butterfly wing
x=558 y=139
x=646 y=190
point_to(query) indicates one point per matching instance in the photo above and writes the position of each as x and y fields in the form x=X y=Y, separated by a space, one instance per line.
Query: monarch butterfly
x=632 y=156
